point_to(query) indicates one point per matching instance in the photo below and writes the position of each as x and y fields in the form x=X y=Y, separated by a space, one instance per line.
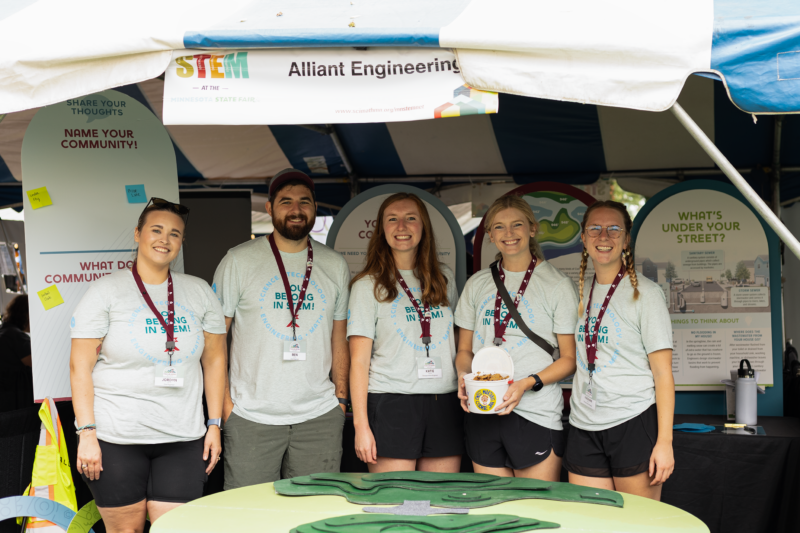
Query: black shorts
x=509 y=441
x=621 y=451
x=410 y=426
x=171 y=472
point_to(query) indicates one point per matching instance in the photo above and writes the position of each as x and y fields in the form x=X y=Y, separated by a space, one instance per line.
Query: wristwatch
x=538 y=385
x=214 y=422
x=344 y=401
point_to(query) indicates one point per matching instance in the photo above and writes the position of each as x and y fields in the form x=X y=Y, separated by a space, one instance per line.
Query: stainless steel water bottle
x=746 y=390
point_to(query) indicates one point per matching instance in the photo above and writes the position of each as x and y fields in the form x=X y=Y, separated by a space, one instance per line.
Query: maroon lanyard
x=294 y=310
x=591 y=349
x=501 y=325
x=169 y=324
x=424 y=316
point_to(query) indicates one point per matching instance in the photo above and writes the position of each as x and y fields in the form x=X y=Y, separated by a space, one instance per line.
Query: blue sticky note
x=136 y=194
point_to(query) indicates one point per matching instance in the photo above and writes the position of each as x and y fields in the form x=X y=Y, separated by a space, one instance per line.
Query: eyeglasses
x=180 y=210
x=613 y=231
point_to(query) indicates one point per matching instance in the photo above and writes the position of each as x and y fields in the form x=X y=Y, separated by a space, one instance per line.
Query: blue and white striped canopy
x=574 y=77
x=622 y=53
x=530 y=139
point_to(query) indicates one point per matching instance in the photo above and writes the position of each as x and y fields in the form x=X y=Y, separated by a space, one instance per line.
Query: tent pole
x=346 y=160
x=776 y=166
x=736 y=178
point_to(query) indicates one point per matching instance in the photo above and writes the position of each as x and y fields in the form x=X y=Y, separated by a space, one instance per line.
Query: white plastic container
x=483 y=397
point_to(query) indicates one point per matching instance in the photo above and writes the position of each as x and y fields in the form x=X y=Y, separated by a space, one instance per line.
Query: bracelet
x=84 y=429
x=87 y=426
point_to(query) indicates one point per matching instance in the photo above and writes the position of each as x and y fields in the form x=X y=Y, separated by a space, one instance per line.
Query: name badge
x=169 y=376
x=294 y=350
x=587 y=398
x=429 y=367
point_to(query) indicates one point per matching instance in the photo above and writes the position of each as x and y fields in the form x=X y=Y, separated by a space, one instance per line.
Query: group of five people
x=148 y=342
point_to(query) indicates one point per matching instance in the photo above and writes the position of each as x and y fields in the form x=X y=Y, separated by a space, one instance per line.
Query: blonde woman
x=525 y=437
x=623 y=394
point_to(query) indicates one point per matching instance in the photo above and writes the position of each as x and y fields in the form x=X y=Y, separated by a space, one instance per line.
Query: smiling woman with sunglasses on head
x=623 y=394
x=146 y=344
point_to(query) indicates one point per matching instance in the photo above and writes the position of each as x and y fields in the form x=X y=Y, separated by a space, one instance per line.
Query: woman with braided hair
x=623 y=394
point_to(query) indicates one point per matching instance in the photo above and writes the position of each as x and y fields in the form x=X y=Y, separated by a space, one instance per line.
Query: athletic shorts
x=621 y=451
x=509 y=441
x=410 y=426
x=171 y=472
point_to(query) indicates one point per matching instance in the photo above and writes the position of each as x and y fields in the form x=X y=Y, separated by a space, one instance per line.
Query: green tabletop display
x=443 y=490
x=488 y=523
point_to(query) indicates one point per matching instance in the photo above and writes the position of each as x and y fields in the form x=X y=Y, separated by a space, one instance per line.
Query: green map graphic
x=557 y=197
x=561 y=230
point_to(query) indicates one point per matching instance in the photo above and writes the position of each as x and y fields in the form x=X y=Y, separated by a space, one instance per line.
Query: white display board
x=710 y=254
x=94 y=155
x=318 y=86
x=353 y=228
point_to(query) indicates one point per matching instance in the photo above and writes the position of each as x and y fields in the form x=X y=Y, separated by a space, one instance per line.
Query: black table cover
x=747 y=483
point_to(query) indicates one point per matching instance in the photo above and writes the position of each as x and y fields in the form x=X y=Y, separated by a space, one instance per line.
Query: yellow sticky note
x=39 y=197
x=50 y=297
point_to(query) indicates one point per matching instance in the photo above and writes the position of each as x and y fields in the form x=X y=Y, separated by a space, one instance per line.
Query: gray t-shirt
x=128 y=407
x=265 y=388
x=549 y=307
x=395 y=332
x=623 y=381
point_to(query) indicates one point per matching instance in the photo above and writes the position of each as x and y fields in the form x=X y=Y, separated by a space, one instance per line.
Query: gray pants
x=260 y=453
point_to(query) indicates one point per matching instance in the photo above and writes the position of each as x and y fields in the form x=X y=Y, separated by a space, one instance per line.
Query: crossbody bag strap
x=501 y=288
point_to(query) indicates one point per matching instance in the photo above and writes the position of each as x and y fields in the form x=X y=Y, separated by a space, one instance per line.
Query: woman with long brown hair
x=623 y=393
x=402 y=347
x=523 y=437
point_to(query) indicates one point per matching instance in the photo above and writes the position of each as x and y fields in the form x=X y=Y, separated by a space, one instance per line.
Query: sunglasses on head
x=180 y=210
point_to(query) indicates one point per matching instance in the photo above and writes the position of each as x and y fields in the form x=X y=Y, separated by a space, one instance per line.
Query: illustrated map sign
x=710 y=254
x=318 y=86
x=84 y=152
x=559 y=210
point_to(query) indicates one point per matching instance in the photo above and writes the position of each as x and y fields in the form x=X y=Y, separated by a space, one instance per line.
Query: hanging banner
x=353 y=226
x=710 y=254
x=559 y=210
x=86 y=163
x=318 y=86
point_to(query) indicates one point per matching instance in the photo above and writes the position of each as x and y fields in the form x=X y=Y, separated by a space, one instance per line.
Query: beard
x=294 y=233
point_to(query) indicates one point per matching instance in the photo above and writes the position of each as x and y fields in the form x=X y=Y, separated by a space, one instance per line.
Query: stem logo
x=213 y=66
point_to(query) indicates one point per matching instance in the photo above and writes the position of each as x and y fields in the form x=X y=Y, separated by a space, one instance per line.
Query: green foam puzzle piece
x=378 y=523
x=449 y=492
x=87 y=516
x=431 y=477
x=366 y=482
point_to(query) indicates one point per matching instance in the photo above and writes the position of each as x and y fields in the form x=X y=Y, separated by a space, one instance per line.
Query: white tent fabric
x=623 y=53
x=620 y=53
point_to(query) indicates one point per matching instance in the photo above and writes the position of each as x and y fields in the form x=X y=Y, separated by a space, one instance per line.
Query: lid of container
x=493 y=359
x=743 y=372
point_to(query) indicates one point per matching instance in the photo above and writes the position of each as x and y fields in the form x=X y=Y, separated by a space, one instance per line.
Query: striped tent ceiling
x=530 y=139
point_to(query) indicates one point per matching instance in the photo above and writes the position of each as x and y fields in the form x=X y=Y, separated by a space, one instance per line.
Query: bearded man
x=287 y=298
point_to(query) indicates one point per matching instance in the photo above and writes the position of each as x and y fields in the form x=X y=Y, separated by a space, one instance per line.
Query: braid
x=584 y=262
x=631 y=268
